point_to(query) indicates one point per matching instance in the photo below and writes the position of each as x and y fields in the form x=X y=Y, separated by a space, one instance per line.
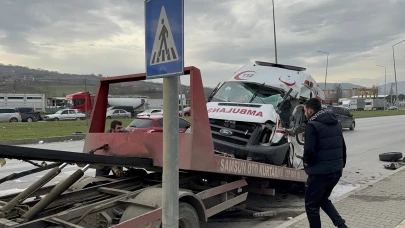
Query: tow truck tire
x=390 y=156
x=188 y=217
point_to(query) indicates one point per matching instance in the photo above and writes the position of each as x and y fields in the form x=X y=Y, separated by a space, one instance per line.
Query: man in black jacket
x=324 y=159
x=115 y=127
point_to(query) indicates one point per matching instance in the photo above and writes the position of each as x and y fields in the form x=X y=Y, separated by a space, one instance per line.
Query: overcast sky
x=107 y=37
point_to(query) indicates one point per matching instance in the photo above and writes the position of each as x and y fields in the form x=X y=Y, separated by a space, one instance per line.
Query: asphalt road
x=371 y=137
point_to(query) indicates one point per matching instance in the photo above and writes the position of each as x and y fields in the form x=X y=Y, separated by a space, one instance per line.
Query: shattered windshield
x=243 y=92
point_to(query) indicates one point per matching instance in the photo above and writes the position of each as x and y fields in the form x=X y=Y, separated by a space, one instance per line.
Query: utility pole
x=385 y=86
x=274 y=28
x=395 y=73
x=327 y=63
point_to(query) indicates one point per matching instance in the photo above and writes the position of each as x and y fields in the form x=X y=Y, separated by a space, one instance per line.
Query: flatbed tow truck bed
x=210 y=182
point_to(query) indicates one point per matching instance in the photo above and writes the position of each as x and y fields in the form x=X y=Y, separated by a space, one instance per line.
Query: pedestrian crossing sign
x=164 y=38
x=164 y=49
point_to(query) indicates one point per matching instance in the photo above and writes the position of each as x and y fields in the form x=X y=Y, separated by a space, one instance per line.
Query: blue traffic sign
x=164 y=38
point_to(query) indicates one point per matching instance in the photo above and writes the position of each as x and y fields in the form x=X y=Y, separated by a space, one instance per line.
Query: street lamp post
x=274 y=27
x=395 y=73
x=385 y=86
x=327 y=62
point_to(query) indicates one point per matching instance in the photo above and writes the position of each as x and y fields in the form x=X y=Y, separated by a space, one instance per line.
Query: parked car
x=29 y=114
x=186 y=110
x=154 y=124
x=151 y=112
x=393 y=107
x=118 y=114
x=129 y=109
x=344 y=116
x=10 y=115
x=66 y=114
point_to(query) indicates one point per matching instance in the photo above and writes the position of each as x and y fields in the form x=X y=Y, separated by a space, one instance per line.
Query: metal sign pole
x=170 y=153
x=164 y=57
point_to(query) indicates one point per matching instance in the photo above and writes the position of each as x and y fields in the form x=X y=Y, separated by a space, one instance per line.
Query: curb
x=401 y=225
x=73 y=137
x=337 y=199
x=362 y=117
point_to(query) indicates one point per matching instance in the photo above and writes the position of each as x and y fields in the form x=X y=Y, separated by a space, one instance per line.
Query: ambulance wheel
x=290 y=162
x=390 y=156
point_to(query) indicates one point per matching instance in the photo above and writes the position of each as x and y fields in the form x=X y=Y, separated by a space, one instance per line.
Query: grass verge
x=10 y=131
x=362 y=114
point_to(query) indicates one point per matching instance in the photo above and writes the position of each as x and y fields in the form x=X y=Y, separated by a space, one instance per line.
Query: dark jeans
x=317 y=191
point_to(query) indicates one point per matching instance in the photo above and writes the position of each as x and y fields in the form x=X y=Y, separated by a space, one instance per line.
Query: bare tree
x=375 y=90
x=338 y=91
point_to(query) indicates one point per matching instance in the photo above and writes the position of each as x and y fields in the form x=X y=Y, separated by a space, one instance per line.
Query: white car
x=9 y=115
x=118 y=114
x=151 y=112
x=66 y=114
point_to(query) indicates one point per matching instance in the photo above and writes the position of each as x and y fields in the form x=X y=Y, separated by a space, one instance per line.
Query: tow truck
x=211 y=181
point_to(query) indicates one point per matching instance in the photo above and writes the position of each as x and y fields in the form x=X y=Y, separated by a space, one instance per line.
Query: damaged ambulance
x=257 y=114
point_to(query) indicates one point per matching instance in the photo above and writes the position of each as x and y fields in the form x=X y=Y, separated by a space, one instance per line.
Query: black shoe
x=343 y=226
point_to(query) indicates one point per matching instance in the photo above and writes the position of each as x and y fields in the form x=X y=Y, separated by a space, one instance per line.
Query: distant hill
x=344 y=85
x=401 y=88
x=21 y=73
x=20 y=79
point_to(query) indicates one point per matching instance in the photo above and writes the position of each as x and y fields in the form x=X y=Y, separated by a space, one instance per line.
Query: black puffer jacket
x=325 y=148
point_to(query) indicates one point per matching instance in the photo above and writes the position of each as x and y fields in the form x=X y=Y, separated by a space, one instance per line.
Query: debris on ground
x=390 y=156
x=2 y=162
x=394 y=166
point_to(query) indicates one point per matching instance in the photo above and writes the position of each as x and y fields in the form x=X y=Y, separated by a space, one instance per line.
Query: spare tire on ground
x=390 y=156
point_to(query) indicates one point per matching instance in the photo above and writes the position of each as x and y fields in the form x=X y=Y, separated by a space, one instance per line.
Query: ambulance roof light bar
x=288 y=67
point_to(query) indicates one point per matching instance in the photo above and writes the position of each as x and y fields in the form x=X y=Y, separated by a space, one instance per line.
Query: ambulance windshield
x=243 y=92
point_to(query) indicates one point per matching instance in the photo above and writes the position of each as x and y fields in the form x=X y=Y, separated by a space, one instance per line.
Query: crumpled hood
x=254 y=113
x=325 y=116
